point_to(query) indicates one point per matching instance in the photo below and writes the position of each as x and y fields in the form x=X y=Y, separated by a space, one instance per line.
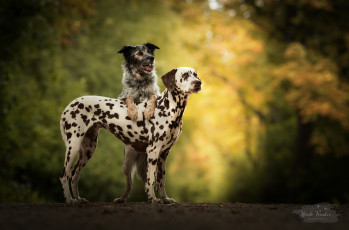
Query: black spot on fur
x=139 y=145
x=110 y=105
x=81 y=106
x=84 y=118
x=98 y=111
x=167 y=103
x=112 y=128
x=129 y=133
x=67 y=126
x=63 y=173
x=69 y=135
x=73 y=115
x=140 y=123
x=75 y=104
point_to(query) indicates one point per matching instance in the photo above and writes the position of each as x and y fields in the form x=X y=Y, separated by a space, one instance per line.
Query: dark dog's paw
x=132 y=113
x=119 y=200
x=150 y=110
x=131 y=109
x=149 y=113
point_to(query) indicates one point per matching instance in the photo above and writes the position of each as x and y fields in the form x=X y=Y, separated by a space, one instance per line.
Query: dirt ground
x=161 y=216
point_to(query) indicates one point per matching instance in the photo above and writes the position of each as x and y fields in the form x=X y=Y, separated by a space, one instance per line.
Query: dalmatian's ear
x=169 y=80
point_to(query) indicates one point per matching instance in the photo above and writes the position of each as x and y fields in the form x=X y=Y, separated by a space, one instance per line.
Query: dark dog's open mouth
x=146 y=67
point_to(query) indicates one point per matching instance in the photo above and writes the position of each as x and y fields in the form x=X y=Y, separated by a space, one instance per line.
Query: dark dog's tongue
x=148 y=67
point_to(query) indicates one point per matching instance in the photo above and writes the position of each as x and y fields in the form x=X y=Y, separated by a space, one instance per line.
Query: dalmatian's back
x=110 y=113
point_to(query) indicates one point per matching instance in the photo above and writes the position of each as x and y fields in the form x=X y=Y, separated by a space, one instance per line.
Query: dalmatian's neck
x=172 y=104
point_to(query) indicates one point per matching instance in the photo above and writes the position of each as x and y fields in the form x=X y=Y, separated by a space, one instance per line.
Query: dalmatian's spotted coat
x=85 y=116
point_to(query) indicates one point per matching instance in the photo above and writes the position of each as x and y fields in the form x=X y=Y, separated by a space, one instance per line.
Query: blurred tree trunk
x=304 y=150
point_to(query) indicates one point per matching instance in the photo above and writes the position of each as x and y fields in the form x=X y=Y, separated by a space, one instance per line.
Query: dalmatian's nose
x=197 y=83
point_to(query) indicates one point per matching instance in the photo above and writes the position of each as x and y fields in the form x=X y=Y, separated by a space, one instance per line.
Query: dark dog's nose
x=151 y=58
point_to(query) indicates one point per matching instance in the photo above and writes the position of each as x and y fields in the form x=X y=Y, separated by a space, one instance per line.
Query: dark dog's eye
x=140 y=53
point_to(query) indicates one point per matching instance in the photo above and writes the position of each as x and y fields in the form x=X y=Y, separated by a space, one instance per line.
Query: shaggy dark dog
x=139 y=79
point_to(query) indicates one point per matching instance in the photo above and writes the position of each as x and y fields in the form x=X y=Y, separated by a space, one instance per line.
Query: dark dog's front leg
x=150 y=109
x=131 y=108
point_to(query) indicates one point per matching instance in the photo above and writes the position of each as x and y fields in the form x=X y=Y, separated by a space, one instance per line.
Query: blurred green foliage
x=275 y=84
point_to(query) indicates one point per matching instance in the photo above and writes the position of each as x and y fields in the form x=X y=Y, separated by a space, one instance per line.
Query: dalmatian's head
x=184 y=79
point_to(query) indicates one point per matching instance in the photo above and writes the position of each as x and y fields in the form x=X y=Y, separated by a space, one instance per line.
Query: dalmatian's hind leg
x=87 y=149
x=70 y=155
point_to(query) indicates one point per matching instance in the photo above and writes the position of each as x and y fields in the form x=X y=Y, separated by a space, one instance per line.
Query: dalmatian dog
x=152 y=139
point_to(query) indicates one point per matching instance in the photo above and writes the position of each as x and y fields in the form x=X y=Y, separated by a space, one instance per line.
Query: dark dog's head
x=139 y=59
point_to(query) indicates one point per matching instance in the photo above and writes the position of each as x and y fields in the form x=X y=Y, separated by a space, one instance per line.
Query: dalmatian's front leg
x=152 y=159
x=150 y=109
x=131 y=108
x=160 y=178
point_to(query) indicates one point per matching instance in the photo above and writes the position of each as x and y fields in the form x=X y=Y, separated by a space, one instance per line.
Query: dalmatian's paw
x=71 y=201
x=168 y=200
x=82 y=200
x=119 y=200
x=155 y=201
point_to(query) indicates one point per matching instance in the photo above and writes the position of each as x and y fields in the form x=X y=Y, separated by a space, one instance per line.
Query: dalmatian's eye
x=185 y=76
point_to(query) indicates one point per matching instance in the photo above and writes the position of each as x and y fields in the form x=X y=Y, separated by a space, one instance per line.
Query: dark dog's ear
x=151 y=46
x=169 y=80
x=126 y=49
